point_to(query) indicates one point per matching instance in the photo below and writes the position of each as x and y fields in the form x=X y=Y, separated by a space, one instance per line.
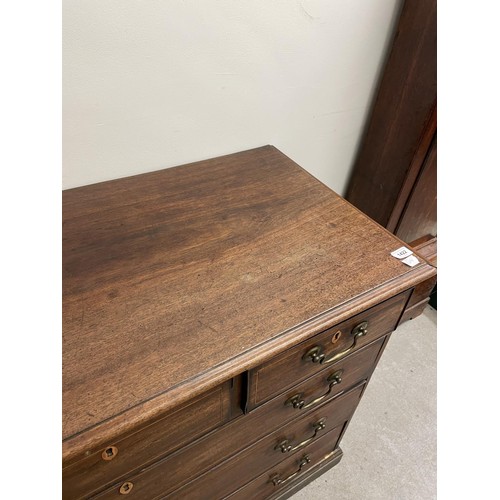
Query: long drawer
x=204 y=453
x=323 y=350
x=168 y=475
x=281 y=477
x=225 y=479
x=107 y=465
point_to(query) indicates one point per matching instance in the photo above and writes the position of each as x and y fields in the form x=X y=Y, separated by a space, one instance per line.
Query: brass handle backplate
x=316 y=355
x=297 y=402
x=285 y=446
x=276 y=479
x=126 y=488
x=109 y=453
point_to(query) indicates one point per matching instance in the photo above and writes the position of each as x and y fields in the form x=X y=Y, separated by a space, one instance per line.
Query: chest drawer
x=132 y=451
x=340 y=377
x=323 y=350
x=197 y=458
x=186 y=464
x=157 y=481
x=293 y=469
x=223 y=480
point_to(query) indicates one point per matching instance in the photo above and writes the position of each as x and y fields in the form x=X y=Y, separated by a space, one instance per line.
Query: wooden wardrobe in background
x=394 y=178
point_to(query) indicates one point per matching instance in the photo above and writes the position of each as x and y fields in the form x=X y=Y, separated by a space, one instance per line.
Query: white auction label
x=401 y=253
x=411 y=261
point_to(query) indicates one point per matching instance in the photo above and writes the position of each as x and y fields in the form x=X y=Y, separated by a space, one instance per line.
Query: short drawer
x=324 y=349
x=107 y=465
x=339 y=377
x=293 y=469
x=169 y=475
x=246 y=466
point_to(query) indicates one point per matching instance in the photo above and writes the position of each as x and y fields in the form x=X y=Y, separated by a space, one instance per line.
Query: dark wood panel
x=178 y=280
x=420 y=215
x=426 y=246
x=402 y=120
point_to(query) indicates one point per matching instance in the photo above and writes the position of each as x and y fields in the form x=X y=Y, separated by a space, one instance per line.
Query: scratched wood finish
x=177 y=280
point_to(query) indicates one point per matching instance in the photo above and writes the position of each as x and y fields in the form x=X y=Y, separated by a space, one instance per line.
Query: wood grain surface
x=177 y=280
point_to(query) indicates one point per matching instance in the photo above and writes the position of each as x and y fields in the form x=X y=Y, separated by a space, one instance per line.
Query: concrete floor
x=390 y=445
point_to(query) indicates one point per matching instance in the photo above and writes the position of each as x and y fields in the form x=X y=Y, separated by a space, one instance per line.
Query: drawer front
x=175 y=429
x=327 y=384
x=295 y=468
x=243 y=468
x=203 y=454
x=171 y=473
x=324 y=349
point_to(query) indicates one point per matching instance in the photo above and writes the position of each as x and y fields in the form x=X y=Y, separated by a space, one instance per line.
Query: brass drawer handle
x=303 y=462
x=316 y=356
x=297 y=402
x=285 y=446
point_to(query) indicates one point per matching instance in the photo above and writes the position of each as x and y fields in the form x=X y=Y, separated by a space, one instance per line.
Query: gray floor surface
x=390 y=445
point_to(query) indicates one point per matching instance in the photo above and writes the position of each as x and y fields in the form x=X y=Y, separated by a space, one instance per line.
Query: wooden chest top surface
x=177 y=279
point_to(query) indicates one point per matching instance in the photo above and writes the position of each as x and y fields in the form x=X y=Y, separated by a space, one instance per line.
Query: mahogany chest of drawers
x=221 y=321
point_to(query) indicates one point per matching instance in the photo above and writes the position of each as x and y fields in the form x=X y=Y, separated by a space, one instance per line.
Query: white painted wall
x=157 y=83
